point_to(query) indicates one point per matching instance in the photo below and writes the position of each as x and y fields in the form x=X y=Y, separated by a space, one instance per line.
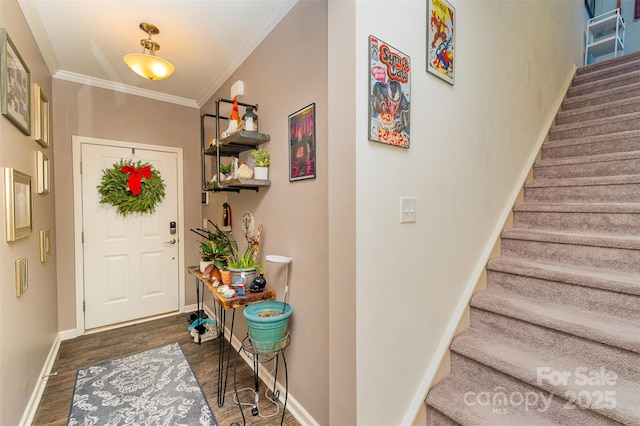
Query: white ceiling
x=206 y=40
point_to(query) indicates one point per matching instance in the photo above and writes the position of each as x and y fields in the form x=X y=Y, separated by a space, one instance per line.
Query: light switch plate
x=407 y=209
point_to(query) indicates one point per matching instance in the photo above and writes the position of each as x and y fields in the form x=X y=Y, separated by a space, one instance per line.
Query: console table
x=225 y=304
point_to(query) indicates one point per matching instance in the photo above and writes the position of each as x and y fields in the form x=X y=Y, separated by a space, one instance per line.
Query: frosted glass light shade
x=149 y=66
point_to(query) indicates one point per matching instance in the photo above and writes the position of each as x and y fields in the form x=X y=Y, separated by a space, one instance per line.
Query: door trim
x=77 y=142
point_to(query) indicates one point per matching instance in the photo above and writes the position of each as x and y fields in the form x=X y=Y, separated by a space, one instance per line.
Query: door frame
x=77 y=142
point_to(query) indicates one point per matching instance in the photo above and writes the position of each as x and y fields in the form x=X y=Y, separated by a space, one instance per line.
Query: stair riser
x=495 y=383
x=620 y=305
x=599 y=98
x=628 y=166
x=607 y=112
x=599 y=86
x=608 y=146
x=616 y=193
x=608 y=223
x=578 y=255
x=606 y=72
x=622 y=125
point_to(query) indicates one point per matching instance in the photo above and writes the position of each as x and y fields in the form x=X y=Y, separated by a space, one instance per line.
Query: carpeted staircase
x=555 y=337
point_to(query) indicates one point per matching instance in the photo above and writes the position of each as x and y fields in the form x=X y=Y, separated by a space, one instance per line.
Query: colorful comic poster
x=389 y=94
x=440 y=40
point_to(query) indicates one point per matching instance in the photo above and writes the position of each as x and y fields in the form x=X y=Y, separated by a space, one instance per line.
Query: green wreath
x=132 y=188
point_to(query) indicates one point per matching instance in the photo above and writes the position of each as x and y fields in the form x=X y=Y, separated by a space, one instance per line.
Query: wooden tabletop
x=235 y=301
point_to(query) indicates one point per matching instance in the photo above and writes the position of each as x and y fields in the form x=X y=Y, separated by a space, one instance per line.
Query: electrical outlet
x=204 y=223
x=407 y=209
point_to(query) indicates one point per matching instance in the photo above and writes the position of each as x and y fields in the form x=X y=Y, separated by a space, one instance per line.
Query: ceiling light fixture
x=148 y=65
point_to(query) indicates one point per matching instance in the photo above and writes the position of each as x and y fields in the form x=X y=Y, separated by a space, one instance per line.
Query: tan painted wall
x=89 y=111
x=28 y=324
x=284 y=74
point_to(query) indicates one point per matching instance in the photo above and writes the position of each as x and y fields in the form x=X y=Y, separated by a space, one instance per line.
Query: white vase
x=204 y=264
x=261 y=173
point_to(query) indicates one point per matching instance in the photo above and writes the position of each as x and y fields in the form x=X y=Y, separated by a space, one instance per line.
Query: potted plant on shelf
x=246 y=262
x=262 y=158
x=215 y=249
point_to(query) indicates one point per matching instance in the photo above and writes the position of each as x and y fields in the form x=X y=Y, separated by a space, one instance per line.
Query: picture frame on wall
x=22 y=276
x=302 y=144
x=18 y=204
x=389 y=94
x=41 y=116
x=15 y=85
x=43 y=173
x=441 y=27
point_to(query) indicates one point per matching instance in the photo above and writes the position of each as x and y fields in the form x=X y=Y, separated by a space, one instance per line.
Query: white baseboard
x=36 y=395
x=294 y=407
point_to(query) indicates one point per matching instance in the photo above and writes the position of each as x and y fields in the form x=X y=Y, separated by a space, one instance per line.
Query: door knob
x=172 y=241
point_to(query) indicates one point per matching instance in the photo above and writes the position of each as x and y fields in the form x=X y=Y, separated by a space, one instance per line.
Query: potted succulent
x=262 y=158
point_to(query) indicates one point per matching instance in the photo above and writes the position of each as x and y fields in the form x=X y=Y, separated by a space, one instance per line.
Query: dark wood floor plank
x=97 y=348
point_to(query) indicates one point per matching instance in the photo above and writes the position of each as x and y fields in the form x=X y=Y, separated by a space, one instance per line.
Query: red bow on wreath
x=135 y=177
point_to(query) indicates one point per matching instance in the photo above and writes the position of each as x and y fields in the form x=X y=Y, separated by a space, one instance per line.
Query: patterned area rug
x=155 y=387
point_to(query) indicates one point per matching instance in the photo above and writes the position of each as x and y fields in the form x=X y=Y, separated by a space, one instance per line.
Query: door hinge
x=81 y=167
x=84 y=306
x=82 y=237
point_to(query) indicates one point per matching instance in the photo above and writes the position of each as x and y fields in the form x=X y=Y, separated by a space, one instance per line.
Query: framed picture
x=16 y=83
x=389 y=94
x=45 y=246
x=42 y=170
x=41 y=117
x=22 y=276
x=18 y=204
x=302 y=144
x=441 y=40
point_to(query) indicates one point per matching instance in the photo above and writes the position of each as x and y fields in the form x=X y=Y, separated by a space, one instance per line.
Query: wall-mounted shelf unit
x=230 y=146
x=604 y=35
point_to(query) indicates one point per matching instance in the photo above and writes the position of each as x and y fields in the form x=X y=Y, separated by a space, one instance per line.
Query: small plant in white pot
x=262 y=158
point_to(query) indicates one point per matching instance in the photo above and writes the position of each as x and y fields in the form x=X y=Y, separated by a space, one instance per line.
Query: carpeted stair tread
x=602 y=96
x=593 y=145
x=601 y=110
x=585 y=181
x=598 y=327
x=605 y=83
x=522 y=361
x=594 y=240
x=621 y=282
x=610 y=164
x=589 y=73
x=447 y=397
x=631 y=208
x=454 y=396
x=600 y=126
x=609 y=63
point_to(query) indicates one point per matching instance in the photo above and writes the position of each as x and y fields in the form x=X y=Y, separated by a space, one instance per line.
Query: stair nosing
x=587 y=159
x=603 y=81
x=631 y=116
x=593 y=239
x=557 y=143
x=593 y=96
x=615 y=208
x=583 y=181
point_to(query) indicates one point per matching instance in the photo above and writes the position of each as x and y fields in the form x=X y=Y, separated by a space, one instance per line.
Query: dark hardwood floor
x=92 y=349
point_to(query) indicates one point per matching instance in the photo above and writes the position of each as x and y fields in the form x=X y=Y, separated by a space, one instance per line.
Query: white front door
x=131 y=265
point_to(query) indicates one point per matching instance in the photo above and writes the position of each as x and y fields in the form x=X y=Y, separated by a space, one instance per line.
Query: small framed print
x=22 y=276
x=15 y=82
x=43 y=173
x=45 y=245
x=441 y=26
x=302 y=144
x=41 y=116
x=18 y=204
